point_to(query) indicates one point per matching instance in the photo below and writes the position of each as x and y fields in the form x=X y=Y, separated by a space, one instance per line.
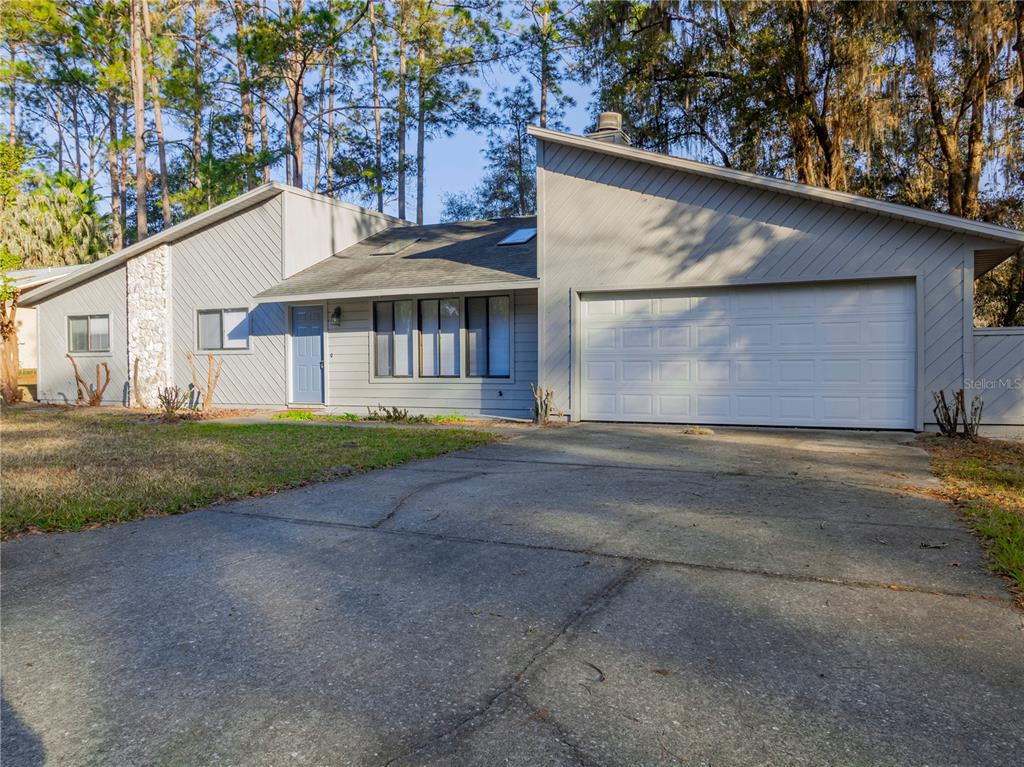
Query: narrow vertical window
x=403 y=339
x=383 y=336
x=499 y=336
x=440 y=326
x=392 y=323
x=235 y=328
x=429 y=338
x=78 y=334
x=476 y=336
x=489 y=336
x=449 y=336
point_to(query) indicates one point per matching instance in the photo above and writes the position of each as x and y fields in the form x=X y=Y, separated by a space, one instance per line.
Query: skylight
x=519 y=236
x=392 y=247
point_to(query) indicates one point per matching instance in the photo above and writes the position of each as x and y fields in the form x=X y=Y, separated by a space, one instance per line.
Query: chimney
x=609 y=129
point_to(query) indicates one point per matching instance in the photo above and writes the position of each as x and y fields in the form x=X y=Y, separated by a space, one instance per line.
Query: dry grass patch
x=985 y=479
x=67 y=468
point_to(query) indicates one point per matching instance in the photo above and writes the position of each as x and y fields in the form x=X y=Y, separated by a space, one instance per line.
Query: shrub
x=171 y=399
x=393 y=414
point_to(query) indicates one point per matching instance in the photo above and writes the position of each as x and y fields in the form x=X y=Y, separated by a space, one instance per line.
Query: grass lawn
x=64 y=469
x=985 y=479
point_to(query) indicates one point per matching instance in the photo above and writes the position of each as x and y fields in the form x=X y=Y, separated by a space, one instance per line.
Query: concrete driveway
x=588 y=595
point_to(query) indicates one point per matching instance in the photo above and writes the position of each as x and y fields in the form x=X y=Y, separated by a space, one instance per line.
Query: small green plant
x=448 y=418
x=393 y=414
x=342 y=417
x=171 y=399
x=309 y=415
x=295 y=415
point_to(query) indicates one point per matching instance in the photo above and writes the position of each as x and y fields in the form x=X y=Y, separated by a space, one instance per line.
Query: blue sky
x=456 y=164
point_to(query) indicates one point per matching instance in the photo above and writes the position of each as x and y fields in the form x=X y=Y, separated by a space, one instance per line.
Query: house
x=27 y=280
x=648 y=288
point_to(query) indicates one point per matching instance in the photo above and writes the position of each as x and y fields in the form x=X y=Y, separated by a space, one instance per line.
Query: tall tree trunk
x=245 y=92
x=330 y=130
x=12 y=98
x=378 y=148
x=58 y=118
x=10 y=365
x=403 y=102
x=264 y=124
x=75 y=125
x=115 y=174
x=296 y=121
x=544 y=28
x=521 y=139
x=422 y=84
x=318 y=156
x=138 y=101
x=158 y=122
x=124 y=172
x=198 y=26
x=295 y=82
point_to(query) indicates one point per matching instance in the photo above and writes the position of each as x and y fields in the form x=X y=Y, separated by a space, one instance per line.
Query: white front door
x=833 y=354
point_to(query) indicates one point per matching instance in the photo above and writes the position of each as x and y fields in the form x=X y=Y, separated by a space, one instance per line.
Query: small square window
x=89 y=333
x=220 y=329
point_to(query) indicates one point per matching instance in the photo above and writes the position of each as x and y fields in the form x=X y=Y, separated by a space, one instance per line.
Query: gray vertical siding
x=609 y=222
x=104 y=294
x=350 y=387
x=999 y=375
x=223 y=267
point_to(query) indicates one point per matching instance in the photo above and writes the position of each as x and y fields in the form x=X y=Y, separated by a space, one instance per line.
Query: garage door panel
x=638 y=370
x=674 y=337
x=750 y=337
x=674 y=371
x=672 y=406
x=638 y=338
x=815 y=355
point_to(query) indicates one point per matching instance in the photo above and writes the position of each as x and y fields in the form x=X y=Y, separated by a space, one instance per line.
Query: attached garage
x=826 y=354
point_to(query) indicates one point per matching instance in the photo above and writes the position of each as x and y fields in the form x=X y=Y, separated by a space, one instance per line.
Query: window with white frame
x=440 y=337
x=222 y=329
x=489 y=336
x=458 y=338
x=393 y=327
x=89 y=333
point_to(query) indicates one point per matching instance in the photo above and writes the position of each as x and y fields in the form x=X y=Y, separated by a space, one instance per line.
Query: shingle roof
x=443 y=255
x=25 y=279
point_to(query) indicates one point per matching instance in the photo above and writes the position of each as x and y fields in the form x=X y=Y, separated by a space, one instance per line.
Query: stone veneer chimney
x=609 y=129
x=150 y=336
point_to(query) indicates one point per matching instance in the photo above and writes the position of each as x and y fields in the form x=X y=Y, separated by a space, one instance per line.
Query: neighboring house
x=648 y=288
x=27 y=280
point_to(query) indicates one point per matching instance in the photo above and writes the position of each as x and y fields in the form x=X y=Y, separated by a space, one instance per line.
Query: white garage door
x=840 y=354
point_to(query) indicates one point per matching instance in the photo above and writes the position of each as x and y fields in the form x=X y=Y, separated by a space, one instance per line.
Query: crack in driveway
x=422 y=488
x=639 y=560
x=589 y=606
